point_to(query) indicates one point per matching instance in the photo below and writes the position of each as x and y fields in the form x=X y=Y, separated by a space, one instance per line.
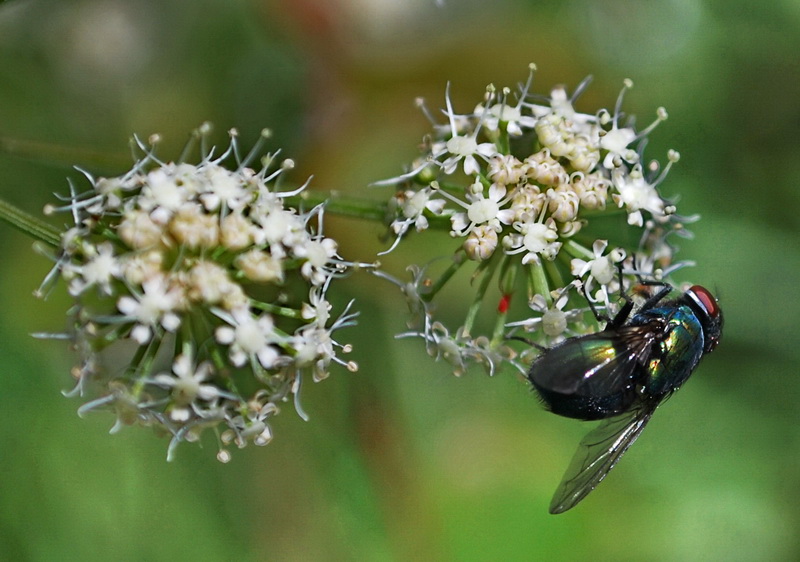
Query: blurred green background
x=401 y=460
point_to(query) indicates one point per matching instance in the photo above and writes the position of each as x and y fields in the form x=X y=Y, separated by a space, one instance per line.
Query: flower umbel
x=547 y=199
x=209 y=262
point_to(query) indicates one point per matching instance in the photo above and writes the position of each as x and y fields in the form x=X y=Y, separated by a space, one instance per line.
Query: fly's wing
x=597 y=454
x=598 y=363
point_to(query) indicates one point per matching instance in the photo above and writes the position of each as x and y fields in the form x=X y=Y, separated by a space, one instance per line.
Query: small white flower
x=592 y=189
x=505 y=169
x=186 y=385
x=551 y=318
x=139 y=231
x=442 y=345
x=636 y=194
x=111 y=189
x=193 y=227
x=543 y=168
x=466 y=148
x=512 y=115
x=252 y=426
x=318 y=255
x=538 y=239
x=317 y=309
x=416 y=203
x=161 y=195
x=140 y=267
x=616 y=142
x=412 y=207
x=481 y=243
x=208 y=283
x=314 y=348
x=188 y=176
x=99 y=271
x=249 y=337
x=156 y=305
x=279 y=226
x=462 y=147
x=563 y=203
x=561 y=105
x=554 y=320
x=235 y=231
x=651 y=265
x=314 y=344
x=601 y=268
x=223 y=189
x=503 y=113
x=260 y=266
x=413 y=290
x=481 y=210
x=527 y=203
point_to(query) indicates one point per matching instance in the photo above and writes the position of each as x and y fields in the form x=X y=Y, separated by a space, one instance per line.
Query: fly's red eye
x=706 y=299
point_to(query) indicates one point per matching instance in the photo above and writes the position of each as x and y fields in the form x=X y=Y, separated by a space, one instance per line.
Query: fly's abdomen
x=585 y=379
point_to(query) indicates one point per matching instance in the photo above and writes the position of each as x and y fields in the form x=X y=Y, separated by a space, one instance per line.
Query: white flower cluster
x=520 y=184
x=209 y=266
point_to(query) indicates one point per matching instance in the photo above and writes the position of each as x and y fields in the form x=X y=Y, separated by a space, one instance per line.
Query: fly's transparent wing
x=597 y=454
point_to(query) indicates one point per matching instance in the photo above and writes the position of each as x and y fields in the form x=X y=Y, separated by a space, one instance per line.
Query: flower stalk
x=30 y=225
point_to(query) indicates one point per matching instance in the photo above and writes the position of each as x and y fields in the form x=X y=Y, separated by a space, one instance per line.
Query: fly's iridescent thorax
x=678 y=349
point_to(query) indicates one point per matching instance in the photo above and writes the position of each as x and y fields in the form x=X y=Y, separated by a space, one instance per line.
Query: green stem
x=538 y=281
x=508 y=279
x=142 y=364
x=503 y=144
x=472 y=313
x=577 y=251
x=338 y=204
x=275 y=309
x=498 y=335
x=30 y=225
x=554 y=273
x=458 y=261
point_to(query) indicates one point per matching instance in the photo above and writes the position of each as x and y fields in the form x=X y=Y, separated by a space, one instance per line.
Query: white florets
x=528 y=178
x=199 y=257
